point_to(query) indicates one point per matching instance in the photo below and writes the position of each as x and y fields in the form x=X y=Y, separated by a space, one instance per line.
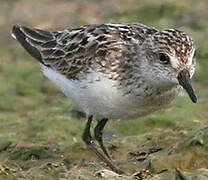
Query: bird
x=113 y=70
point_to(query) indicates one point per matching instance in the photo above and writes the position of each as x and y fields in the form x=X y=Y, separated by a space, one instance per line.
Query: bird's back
x=77 y=50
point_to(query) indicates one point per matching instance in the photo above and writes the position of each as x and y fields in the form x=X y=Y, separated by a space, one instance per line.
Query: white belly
x=100 y=96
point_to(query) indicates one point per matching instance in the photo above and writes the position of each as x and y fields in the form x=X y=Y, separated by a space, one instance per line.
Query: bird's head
x=170 y=55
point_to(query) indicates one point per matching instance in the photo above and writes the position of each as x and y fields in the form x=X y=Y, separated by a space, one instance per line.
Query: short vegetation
x=40 y=136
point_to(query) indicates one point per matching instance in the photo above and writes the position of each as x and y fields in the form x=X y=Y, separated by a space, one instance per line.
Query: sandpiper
x=113 y=71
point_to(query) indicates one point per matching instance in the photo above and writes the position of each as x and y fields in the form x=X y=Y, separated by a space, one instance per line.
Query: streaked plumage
x=114 y=70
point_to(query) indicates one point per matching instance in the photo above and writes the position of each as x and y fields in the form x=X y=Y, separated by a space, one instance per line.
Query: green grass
x=41 y=129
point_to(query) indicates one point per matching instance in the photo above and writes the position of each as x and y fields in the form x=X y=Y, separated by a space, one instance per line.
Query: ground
x=41 y=129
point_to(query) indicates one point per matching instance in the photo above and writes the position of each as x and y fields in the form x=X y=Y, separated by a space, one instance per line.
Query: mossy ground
x=40 y=136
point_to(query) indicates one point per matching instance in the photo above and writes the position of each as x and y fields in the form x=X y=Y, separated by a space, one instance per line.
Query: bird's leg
x=87 y=138
x=98 y=132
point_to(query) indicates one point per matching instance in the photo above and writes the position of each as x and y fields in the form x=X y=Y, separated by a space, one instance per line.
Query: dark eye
x=164 y=58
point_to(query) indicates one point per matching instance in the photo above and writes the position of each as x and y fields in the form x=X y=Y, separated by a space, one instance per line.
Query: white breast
x=101 y=98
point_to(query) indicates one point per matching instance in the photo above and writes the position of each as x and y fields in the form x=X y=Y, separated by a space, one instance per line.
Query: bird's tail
x=34 y=40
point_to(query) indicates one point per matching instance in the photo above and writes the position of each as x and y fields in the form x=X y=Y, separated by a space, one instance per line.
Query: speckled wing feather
x=77 y=50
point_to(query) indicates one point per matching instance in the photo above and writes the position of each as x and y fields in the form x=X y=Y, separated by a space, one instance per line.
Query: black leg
x=98 y=132
x=87 y=138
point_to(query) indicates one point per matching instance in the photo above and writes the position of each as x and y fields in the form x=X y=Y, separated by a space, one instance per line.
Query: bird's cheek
x=191 y=70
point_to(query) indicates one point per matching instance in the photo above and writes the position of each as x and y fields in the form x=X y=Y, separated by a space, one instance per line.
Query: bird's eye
x=164 y=58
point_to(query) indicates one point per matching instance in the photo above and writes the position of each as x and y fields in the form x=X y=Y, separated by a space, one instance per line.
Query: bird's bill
x=185 y=81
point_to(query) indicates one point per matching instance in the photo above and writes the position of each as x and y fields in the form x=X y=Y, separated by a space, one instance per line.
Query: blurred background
x=40 y=129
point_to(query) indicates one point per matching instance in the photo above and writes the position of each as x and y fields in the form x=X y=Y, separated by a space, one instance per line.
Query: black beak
x=185 y=81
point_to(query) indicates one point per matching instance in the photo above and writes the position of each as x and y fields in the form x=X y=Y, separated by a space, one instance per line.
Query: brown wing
x=77 y=50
